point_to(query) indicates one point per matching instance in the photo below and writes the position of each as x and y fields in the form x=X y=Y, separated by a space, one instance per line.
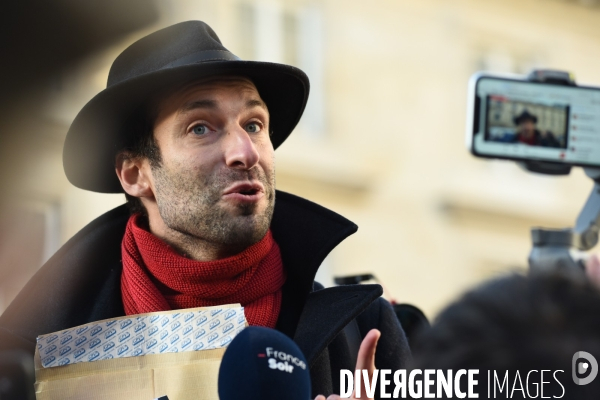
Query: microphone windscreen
x=262 y=363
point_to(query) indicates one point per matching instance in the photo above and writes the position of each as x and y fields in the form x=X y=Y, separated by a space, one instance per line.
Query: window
x=271 y=32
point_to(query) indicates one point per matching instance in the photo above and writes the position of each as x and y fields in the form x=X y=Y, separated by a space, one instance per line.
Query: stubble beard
x=191 y=207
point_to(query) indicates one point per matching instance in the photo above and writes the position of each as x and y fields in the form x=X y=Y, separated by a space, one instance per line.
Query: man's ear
x=134 y=174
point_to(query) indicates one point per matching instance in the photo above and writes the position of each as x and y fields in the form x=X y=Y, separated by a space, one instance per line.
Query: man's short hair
x=143 y=145
x=517 y=323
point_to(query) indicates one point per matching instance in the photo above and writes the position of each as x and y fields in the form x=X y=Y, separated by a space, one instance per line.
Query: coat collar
x=305 y=232
x=327 y=312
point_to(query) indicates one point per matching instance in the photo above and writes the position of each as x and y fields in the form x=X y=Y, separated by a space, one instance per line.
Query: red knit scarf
x=156 y=278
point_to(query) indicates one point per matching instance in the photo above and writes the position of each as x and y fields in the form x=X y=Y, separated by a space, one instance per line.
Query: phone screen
x=524 y=120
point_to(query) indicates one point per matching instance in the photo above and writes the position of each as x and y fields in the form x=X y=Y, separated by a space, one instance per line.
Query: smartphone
x=510 y=117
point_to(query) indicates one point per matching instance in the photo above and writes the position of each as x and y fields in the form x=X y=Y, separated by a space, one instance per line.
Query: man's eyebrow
x=193 y=105
x=211 y=104
x=256 y=103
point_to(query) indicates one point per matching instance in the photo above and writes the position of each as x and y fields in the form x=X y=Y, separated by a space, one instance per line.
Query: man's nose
x=240 y=150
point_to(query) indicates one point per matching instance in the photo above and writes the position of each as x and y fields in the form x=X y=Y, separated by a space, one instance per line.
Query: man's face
x=527 y=128
x=216 y=181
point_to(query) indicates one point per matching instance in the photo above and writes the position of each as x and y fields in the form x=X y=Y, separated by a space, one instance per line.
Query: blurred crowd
x=515 y=328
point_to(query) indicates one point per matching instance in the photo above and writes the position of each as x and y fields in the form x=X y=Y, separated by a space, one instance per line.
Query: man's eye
x=253 y=127
x=200 y=129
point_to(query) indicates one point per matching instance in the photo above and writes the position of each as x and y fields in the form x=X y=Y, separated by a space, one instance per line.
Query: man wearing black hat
x=527 y=132
x=190 y=130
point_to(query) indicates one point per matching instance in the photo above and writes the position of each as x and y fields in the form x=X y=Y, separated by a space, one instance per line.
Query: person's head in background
x=523 y=324
x=526 y=125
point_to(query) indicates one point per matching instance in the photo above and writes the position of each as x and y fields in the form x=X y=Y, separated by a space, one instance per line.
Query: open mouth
x=246 y=191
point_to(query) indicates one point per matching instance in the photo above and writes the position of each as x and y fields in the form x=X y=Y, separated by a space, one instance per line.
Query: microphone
x=263 y=364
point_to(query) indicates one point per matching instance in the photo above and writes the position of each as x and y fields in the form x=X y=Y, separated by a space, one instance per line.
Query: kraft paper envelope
x=173 y=353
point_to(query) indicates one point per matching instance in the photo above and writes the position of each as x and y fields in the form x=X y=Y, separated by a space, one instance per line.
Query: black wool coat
x=81 y=284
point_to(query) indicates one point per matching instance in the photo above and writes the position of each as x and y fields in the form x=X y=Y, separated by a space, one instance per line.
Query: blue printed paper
x=139 y=335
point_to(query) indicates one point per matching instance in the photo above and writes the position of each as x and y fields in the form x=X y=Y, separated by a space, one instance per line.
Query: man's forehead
x=217 y=82
x=208 y=91
x=207 y=94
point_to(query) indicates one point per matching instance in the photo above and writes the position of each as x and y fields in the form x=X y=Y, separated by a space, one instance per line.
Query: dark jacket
x=546 y=140
x=81 y=284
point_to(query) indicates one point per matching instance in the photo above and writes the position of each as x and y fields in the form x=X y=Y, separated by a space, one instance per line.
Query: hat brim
x=99 y=130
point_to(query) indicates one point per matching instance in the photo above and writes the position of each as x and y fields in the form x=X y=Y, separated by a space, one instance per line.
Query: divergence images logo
x=580 y=367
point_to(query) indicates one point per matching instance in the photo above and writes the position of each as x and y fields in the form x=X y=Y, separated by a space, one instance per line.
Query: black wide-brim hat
x=525 y=116
x=166 y=59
